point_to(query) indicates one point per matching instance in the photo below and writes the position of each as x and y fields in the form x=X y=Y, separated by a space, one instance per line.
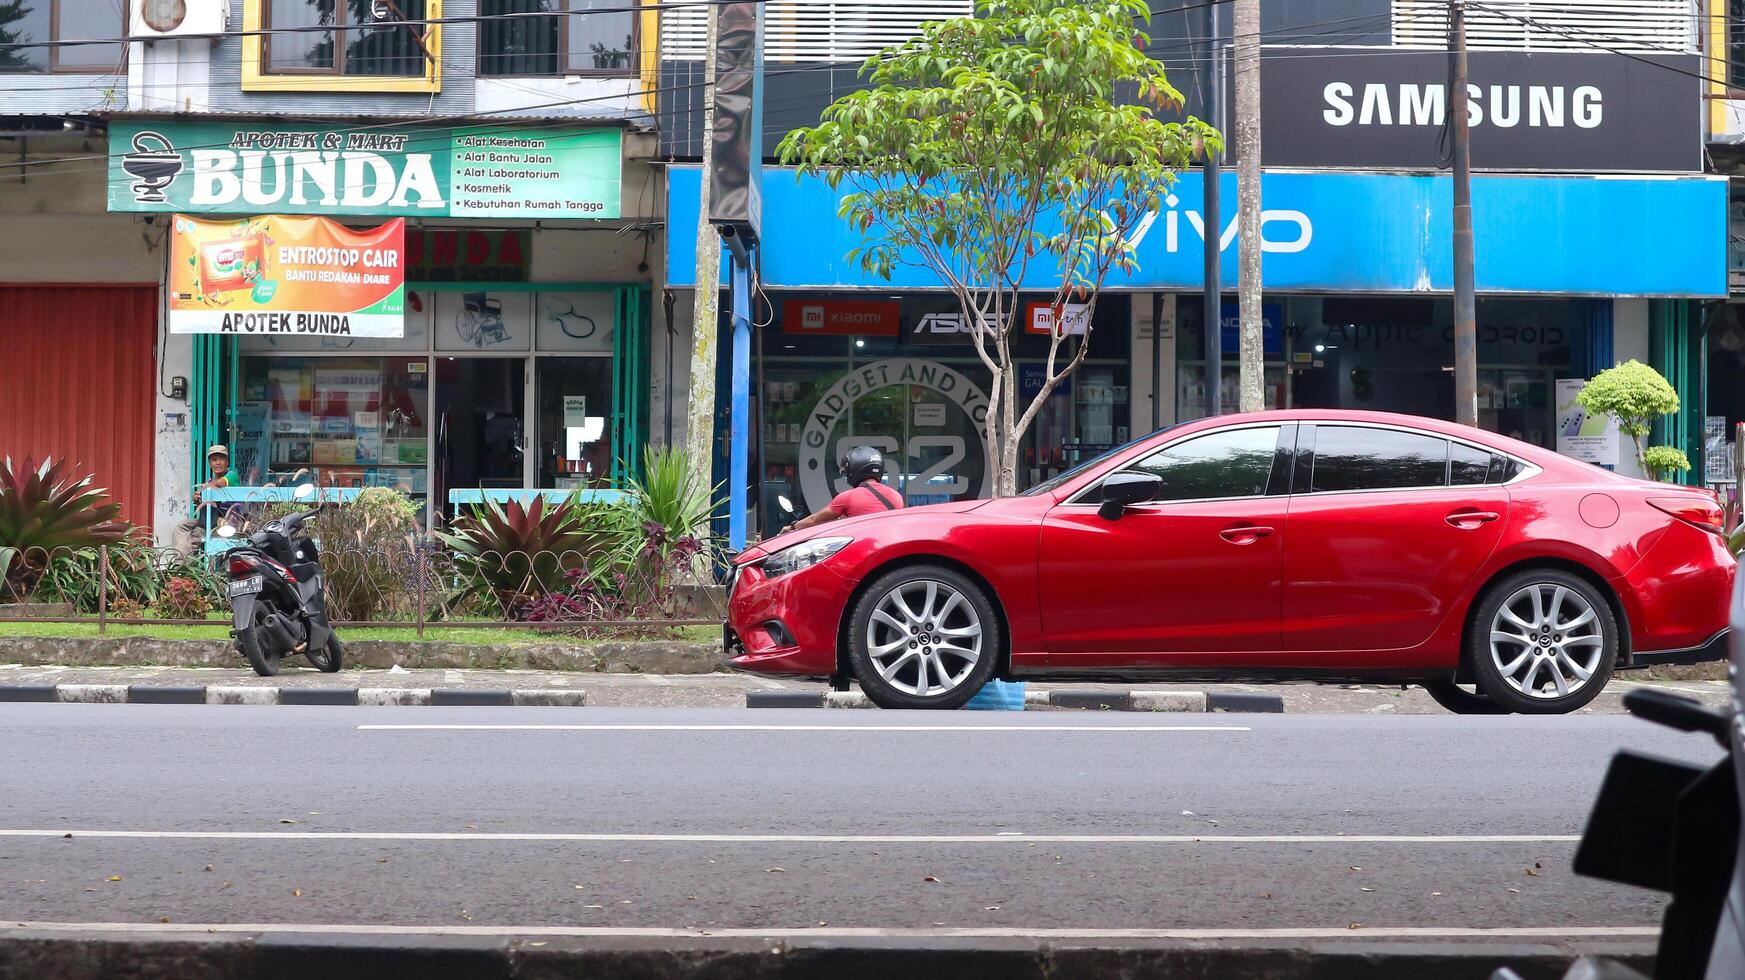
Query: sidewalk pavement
x=730 y=690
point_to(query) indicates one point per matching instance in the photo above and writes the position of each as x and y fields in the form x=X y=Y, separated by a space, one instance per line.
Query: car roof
x=1538 y=455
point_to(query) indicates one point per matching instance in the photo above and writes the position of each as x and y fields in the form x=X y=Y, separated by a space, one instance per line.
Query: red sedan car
x=1319 y=545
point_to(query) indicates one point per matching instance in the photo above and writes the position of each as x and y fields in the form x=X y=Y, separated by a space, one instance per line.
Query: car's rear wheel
x=924 y=636
x=1445 y=692
x=1543 y=642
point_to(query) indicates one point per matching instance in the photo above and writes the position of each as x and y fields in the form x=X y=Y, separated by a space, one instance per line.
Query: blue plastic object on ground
x=998 y=696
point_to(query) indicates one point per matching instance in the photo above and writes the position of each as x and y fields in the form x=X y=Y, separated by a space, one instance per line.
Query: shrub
x=44 y=511
x=183 y=598
x=73 y=576
x=669 y=495
x=1661 y=462
x=125 y=608
x=367 y=546
x=517 y=554
x=1633 y=395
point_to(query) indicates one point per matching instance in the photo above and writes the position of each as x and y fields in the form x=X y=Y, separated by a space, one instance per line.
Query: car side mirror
x=1123 y=489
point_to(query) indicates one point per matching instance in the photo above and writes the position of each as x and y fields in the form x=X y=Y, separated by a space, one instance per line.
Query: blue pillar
x=739 y=420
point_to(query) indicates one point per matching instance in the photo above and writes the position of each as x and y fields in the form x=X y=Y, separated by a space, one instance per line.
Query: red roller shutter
x=77 y=376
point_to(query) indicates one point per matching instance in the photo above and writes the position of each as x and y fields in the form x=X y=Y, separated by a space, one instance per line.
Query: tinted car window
x=1503 y=469
x=1360 y=458
x=1467 y=466
x=1235 y=463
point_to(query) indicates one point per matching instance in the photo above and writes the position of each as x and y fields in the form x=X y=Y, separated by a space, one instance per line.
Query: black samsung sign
x=1552 y=110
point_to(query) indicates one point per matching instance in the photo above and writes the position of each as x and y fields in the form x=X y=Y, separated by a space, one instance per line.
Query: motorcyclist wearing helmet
x=863 y=467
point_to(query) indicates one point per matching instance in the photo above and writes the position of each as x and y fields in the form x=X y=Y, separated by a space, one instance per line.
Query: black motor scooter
x=276 y=596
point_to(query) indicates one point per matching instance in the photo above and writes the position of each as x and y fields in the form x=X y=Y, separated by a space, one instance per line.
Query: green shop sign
x=465 y=172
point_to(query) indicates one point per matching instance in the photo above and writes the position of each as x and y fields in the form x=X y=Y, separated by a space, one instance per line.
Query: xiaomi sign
x=840 y=317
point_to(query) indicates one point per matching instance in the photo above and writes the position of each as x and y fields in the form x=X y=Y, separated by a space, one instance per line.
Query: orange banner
x=287 y=275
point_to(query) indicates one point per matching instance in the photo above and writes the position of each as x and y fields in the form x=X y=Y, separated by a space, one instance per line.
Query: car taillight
x=1693 y=510
x=241 y=566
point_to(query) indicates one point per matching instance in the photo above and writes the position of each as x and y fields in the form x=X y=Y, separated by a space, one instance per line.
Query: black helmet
x=862 y=463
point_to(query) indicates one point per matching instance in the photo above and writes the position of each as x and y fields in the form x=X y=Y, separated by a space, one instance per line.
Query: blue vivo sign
x=1326 y=231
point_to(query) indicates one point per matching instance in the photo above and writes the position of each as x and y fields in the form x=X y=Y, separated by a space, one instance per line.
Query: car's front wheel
x=923 y=636
x=1543 y=642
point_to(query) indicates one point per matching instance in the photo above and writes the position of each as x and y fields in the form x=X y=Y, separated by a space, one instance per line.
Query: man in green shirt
x=191 y=533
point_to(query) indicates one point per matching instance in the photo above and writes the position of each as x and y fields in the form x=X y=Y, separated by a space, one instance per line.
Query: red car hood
x=770 y=546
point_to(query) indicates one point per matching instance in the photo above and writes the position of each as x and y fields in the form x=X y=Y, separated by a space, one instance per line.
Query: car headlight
x=802 y=555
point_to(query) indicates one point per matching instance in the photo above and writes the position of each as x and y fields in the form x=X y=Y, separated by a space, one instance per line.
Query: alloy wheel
x=924 y=637
x=1546 y=641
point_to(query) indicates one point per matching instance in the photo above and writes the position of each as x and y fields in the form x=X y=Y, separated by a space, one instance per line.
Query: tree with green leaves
x=1015 y=148
x=23 y=22
x=1634 y=395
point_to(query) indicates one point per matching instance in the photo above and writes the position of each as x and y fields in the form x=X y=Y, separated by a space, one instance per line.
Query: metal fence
x=412 y=582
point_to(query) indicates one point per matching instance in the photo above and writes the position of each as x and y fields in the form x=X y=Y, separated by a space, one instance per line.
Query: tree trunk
x=705 y=318
x=1251 y=390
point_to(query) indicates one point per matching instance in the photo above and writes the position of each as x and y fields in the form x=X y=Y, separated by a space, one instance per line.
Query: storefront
x=502 y=358
x=1357 y=272
x=498 y=385
x=1396 y=354
x=901 y=374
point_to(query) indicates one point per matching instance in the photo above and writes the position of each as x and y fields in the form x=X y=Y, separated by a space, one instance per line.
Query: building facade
x=1596 y=225
x=512 y=147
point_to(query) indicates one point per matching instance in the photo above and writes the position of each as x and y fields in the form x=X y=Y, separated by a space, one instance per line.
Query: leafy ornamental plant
x=75 y=576
x=1661 y=462
x=45 y=511
x=183 y=598
x=669 y=495
x=517 y=553
x=1634 y=395
x=1014 y=149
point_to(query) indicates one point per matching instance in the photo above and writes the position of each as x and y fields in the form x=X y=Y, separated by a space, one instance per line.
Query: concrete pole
x=1214 y=233
x=700 y=400
x=1465 y=301
x=1251 y=386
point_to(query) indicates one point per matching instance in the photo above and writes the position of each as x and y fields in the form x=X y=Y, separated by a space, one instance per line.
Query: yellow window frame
x=256 y=79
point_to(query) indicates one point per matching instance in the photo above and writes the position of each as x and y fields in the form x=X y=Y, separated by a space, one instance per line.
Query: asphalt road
x=728 y=820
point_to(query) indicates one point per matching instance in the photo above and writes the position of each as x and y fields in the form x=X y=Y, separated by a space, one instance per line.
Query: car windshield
x=1048 y=485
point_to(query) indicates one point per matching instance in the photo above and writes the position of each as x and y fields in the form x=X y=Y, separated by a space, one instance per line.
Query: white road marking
x=834 y=932
x=306 y=836
x=802 y=728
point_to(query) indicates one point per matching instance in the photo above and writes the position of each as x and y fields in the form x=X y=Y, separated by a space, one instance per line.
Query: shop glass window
x=575 y=421
x=1736 y=43
x=1467 y=466
x=40 y=21
x=355 y=46
x=1236 y=463
x=1360 y=458
x=582 y=37
x=342 y=421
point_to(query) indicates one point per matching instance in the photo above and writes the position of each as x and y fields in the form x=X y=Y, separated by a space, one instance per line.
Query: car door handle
x=1244 y=535
x=1471 y=520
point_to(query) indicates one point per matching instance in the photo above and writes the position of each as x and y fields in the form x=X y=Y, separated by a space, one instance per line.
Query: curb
x=238 y=694
x=27 y=952
x=1177 y=701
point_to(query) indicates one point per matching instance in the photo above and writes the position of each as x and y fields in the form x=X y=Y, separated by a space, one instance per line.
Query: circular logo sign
x=945 y=453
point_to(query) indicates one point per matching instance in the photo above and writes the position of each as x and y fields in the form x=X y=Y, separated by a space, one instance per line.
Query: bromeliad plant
x=44 y=511
x=519 y=553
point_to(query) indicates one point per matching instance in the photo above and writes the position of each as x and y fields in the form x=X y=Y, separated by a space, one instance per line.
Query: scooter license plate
x=246 y=586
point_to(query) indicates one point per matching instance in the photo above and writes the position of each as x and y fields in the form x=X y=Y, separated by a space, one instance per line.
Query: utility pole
x=1465 y=300
x=1213 y=233
x=700 y=400
x=1252 y=347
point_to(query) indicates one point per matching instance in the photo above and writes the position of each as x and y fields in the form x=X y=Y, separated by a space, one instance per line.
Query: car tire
x=1542 y=641
x=923 y=636
x=1459 y=700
